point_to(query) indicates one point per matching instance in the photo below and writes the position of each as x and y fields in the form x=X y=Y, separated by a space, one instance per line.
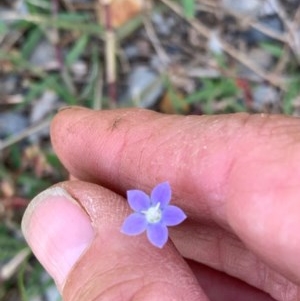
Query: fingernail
x=58 y=231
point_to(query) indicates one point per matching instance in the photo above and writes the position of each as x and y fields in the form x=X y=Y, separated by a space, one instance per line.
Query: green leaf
x=51 y=82
x=15 y=156
x=77 y=50
x=10 y=246
x=274 y=49
x=58 y=85
x=3 y=28
x=73 y=17
x=36 y=6
x=53 y=160
x=34 y=36
x=292 y=92
x=129 y=27
x=32 y=185
x=61 y=22
x=189 y=8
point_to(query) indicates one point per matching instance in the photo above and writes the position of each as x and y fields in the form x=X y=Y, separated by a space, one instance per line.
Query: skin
x=235 y=176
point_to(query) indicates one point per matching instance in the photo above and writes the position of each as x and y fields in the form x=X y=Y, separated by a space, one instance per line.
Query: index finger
x=137 y=149
x=240 y=171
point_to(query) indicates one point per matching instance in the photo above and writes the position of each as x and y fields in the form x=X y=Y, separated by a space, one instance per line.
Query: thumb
x=74 y=231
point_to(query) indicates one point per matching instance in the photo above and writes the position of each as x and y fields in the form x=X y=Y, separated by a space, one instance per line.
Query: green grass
x=78 y=36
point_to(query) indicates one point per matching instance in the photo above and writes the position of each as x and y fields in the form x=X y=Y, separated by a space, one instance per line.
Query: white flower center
x=153 y=214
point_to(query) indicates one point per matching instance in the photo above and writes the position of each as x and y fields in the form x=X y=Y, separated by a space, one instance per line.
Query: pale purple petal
x=161 y=194
x=138 y=200
x=134 y=224
x=172 y=216
x=157 y=234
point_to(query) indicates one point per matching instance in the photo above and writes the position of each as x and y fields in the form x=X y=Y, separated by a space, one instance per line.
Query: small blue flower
x=152 y=214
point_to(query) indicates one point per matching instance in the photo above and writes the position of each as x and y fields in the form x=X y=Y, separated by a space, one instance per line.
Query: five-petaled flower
x=152 y=214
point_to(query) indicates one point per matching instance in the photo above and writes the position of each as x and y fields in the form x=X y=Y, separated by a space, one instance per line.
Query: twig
x=11 y=99
x=269 y=32
x=110 y=52
x=55 y=35
x=9 y=269
x=24 y=134
x=233 y=52
x=11 y=39
x=58 y=51
x=97 y=103
x=293 y=39
x=295 y=33
x=165 y=60
x=250 y=22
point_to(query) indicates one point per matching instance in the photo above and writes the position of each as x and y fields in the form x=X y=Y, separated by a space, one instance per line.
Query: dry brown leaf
x=7 y=188
x=34 y=158
x=167 y=106
x=120 y=11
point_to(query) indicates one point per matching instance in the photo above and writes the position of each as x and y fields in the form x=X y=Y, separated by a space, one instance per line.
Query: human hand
x=235 y=176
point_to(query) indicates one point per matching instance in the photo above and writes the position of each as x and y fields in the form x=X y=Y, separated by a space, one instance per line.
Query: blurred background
x=173 y=56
